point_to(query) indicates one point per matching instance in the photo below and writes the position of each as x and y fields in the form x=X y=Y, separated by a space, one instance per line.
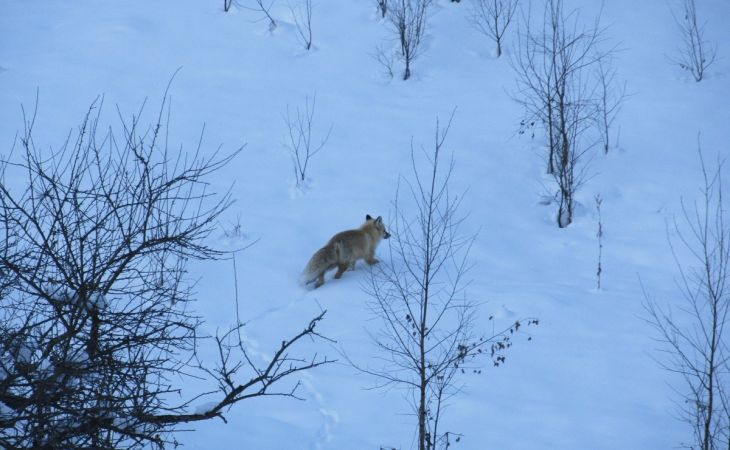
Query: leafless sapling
x=696 y=54
x=429 y=335
x=599 y=235
x=299 y=139
x=492 y=17
x=695 y=333
x=386 y=58
x=408 y=22
x=558 y=90
x=302 y=14
x=96 y=330
x=610 y=100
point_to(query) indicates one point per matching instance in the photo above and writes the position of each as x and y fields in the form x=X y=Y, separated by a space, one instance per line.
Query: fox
x=344 y=249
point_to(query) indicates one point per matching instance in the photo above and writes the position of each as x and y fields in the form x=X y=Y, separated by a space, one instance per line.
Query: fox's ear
x=379 y=220
x=367 y=217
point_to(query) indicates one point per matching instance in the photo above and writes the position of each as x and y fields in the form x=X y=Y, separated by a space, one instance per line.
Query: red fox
x=344 y=249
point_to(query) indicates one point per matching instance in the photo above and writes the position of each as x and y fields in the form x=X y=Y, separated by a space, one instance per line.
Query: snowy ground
x=587 y=379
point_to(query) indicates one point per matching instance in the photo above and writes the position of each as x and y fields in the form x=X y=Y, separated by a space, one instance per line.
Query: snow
x=587 y=379
x=98 y=300
x=204 y=408
x=65 y=295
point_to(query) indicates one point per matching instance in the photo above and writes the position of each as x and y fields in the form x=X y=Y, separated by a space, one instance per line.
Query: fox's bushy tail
x=311 y=270
x=324 y=259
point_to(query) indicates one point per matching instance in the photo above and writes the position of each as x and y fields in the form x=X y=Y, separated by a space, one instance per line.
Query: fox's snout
x=386 y=235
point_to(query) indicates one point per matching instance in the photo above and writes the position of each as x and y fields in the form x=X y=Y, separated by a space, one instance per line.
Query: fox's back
x=353 y=243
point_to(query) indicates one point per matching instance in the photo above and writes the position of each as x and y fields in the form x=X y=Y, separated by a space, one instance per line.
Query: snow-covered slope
x=587 y=379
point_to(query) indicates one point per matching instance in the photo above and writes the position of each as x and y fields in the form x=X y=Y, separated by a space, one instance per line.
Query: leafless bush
x=696 y=54
x=234 y=229
x=387 y=59
x=265 y=9
x=303 y=21
x=492 y=17
x=96 y=328
x=559 y=93
x=695 y=333
x=428 y=336
x=227 y=5
x=408 y=22
x=300 y=140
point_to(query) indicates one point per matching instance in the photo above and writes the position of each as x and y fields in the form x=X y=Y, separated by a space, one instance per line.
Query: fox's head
x=378 y=223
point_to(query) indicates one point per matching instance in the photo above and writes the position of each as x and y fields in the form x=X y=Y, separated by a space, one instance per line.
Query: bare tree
x=558 y=92
x=696 y=54
x=428 y=335
x=96 y=328
x=492 y=17
x=695 y=333
x=408 y=21
x=300 y=140
x=303 y=21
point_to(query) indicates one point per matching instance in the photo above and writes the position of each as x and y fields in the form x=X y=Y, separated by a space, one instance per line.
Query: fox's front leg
x=320 y=280
x=371 y=259
x=341 y=268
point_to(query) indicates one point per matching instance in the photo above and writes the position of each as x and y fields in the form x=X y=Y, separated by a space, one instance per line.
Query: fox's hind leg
x=341 y=268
